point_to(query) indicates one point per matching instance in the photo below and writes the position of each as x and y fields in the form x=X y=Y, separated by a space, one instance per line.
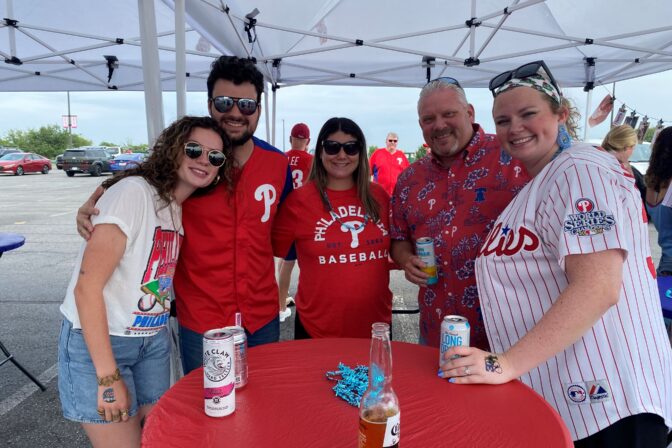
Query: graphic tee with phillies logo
x=137 y=294
x=344 y=277
x=386 y=167
x=582 y=202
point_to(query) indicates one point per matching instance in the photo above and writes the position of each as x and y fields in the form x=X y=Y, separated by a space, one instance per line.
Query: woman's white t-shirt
x=137 y=295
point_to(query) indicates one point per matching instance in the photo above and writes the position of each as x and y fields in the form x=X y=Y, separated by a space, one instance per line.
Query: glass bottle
x=379 y=408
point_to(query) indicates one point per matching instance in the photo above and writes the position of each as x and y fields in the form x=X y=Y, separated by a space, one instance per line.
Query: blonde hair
x=619 y=138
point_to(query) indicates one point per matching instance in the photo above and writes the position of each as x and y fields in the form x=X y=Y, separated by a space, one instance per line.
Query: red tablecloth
x=288 y=402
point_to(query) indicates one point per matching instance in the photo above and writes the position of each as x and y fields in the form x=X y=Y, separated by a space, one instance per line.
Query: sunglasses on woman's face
x=194 y=150
x=332 y=148
x=522 y=72
x=246 y=106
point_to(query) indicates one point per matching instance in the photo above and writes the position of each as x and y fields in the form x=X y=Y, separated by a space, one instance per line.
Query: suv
x=5 y=151
x=113 y=150
x=86 y=159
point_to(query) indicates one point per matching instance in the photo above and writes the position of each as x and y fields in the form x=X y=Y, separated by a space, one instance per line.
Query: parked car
x=5 y=151
x=126 y=161
x=640 y=157
x=18 y=163
x=113 y=150
x=59 y=161
x=93 y=160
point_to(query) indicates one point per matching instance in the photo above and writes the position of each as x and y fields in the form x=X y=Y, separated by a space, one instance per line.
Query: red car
x=24 y=162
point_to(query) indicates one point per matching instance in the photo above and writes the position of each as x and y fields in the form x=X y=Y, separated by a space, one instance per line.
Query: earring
x=564 y=140
x=215 y=182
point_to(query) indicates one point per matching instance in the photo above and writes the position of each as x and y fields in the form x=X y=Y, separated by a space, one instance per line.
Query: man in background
x=299 y=163
x=387 y=163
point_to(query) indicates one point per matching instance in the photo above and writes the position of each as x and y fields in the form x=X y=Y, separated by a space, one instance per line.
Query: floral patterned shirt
x=456 y=207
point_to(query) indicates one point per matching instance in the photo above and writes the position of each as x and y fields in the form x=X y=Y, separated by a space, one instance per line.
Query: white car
x=640 y=157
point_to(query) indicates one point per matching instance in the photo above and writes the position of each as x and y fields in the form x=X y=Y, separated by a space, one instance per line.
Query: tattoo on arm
x=108 y=395
x=81 y=272
x=492 y=364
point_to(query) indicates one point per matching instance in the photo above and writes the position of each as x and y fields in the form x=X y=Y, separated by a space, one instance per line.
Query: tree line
x=50 y=141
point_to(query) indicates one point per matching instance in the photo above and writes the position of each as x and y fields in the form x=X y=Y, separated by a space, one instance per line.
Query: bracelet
x=109 y=379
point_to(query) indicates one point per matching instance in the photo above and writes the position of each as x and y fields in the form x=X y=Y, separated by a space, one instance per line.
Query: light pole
x=283 y=135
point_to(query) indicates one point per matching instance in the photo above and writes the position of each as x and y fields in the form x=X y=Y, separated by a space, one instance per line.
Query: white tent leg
x=150 y=70
x=587 y=115
x=274 y=104
x=180 y=59
x=268 y=122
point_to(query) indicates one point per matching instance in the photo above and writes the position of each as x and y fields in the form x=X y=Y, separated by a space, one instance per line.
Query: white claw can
x=455 y=331
x=219 y=372
x=240 y=345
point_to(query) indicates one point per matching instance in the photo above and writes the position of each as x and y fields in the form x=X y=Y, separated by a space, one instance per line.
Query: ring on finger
x=124 y=413
x=467 y=371
x=100 y=412
x=116 y=417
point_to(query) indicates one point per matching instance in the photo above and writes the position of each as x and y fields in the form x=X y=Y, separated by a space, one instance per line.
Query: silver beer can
x=454 y=332
x=240 y=347
x=219 y=372
x=424 y=248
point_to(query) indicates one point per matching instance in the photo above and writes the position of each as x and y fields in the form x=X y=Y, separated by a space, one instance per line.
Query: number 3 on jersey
x=297 y=177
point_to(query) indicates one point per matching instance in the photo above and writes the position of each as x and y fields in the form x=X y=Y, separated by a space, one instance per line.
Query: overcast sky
x=119 y=117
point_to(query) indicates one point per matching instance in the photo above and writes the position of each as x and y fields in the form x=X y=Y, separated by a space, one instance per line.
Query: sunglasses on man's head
x=194 y=150
x=522 y=72
x=246 y=106
x=332 y=148
x=446 y=80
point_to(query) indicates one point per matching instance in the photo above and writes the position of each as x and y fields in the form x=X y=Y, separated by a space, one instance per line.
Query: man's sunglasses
x=332 y=148
x=446 y=80
x=522 y=72
x=393 y=140
x=246 y=106
x=194 y=150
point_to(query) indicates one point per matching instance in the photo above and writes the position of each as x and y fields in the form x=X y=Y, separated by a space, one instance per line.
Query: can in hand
x=455 y=331
x=424 y=248
x=219 y=372
x=240 y=347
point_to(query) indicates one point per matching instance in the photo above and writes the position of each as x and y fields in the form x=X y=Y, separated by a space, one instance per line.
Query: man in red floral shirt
x=453 y=195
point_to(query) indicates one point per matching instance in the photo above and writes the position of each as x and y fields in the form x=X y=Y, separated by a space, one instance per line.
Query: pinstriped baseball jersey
x=582 y=202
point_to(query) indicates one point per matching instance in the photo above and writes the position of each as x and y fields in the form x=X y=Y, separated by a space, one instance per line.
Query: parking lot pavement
x=33 y=279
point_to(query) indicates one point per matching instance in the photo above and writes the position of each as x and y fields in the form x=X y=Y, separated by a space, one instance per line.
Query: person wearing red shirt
x=338 y=222
x=452 y=195
x=299 y=162
x=387 y=163
x=226 y=263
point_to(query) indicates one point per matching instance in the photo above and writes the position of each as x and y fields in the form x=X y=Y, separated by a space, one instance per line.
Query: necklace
x=351 y=227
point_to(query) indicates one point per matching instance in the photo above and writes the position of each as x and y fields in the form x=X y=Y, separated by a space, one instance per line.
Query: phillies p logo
x=584 y=205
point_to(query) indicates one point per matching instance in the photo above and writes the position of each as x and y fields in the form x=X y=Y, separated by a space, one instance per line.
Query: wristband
x=109 y=379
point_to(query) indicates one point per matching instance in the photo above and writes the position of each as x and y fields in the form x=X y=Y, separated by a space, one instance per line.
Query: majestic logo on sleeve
x=267 y=194
x=508 y=241
x=588 y=221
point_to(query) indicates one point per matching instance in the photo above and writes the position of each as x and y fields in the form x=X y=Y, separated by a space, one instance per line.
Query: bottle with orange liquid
x=379 y=408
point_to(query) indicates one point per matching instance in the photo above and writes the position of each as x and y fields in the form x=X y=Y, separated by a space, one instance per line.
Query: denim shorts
x=144 y=363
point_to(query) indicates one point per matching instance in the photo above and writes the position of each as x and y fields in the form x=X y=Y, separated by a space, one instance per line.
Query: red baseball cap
x=300 y=130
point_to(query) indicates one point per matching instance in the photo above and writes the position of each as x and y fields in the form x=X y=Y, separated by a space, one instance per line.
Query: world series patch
x=588 y=221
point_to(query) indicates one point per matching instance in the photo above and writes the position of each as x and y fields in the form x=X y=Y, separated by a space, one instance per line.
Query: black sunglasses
x=446 y=80
x=246 y=106
x=393 y=140
x=194 y=150
x=332 y=148
x=522 y=72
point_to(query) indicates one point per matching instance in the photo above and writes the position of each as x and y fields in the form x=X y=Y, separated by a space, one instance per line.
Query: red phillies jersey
x=226 y=262
x=299 y=163
x=344 y=276
x=386 y=167
x=456 y=207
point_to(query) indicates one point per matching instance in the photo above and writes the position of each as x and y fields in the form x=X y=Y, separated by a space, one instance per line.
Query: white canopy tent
x=72 y=45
